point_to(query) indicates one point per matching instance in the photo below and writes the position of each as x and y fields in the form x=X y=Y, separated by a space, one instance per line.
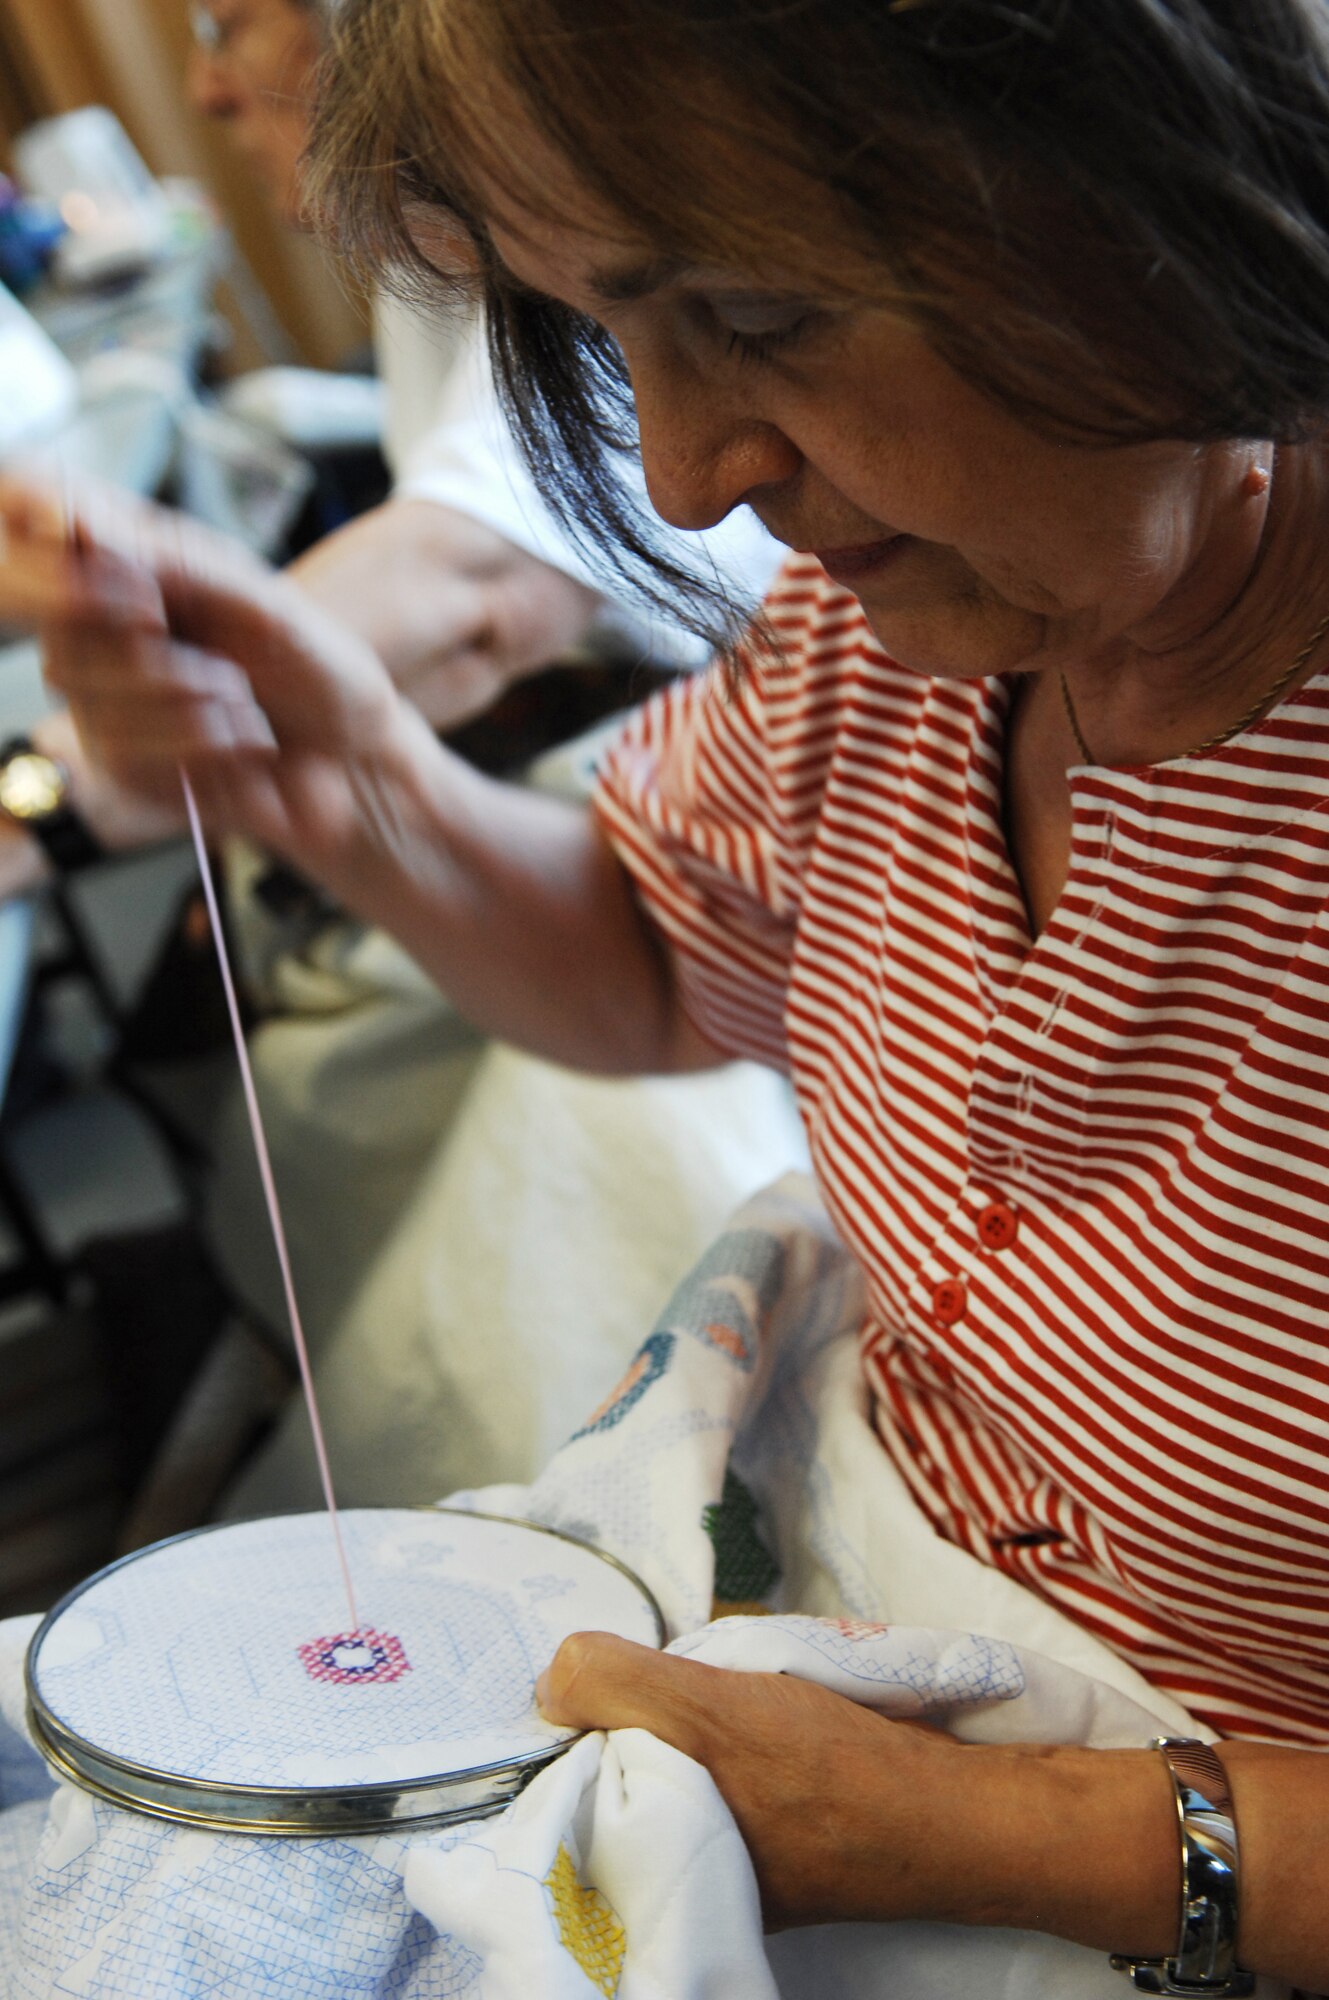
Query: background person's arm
x=449 y=445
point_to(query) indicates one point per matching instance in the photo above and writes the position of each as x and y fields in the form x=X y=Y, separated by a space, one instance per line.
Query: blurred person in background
x=463 y=583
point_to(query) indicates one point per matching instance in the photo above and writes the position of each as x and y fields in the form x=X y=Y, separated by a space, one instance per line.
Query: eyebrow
x=637 y=281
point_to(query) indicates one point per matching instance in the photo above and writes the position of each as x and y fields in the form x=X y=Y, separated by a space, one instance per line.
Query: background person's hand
x=454 y=610
x=121 y=820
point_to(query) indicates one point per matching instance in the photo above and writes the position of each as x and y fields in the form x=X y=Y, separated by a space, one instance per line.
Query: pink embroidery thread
x=353 y=1658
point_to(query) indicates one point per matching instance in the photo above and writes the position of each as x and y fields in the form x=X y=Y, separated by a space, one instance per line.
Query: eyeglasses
x=211 y=36
x=206 y=31
x=215 y=34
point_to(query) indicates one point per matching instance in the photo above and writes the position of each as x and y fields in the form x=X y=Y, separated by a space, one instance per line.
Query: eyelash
x=758 y=347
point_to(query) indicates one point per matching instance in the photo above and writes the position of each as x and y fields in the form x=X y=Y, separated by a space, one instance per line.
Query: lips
x=856 y=560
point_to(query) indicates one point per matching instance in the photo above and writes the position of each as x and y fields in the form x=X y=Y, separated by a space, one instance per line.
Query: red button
x=949 y=1301
x=998 y=1226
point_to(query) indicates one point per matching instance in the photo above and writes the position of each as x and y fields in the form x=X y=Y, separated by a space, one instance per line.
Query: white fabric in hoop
x=225 y=1657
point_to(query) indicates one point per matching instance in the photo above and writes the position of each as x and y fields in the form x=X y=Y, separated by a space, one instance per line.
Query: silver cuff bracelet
x=1205 y=1961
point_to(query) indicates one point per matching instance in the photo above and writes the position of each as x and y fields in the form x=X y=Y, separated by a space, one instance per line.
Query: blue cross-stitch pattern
x=23 y=1775
x=977 y=1669
x=234 y=1918
x=729 y=1292
x=647 y=1366
x=20 y=1833
x=70 y=1904
x=968 y=1669
x=779 y=1445
x=539 y=1588
x=613 y=1503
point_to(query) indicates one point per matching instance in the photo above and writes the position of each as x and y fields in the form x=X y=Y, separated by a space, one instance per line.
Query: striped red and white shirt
x=1087 y=1176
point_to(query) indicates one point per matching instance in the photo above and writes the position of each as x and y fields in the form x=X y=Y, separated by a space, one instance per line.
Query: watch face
x=31 y=786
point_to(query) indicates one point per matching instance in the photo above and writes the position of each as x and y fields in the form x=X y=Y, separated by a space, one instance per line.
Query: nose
x=207 y=85
x=702 y=452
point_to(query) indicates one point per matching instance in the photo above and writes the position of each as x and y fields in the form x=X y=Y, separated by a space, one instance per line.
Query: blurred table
x=138 y=346
x=166 y=311
x=141 y=343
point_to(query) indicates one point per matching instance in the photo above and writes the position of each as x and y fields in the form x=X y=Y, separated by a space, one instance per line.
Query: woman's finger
x=175 y=732
x=777 y=1748
x=84 y=662
x=98 y=552
x=179 y=727
x=599 y=1681
x=91 y=516
x=32 y=508
x=140 y=701
x=41 y=580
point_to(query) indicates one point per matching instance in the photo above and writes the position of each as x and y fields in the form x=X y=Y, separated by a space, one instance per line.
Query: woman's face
x=252 y=69
x=974 y=544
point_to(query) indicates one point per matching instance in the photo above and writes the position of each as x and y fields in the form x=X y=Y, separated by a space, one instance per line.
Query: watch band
x=60 y=830
x=1205 y=1961
x=67 y=839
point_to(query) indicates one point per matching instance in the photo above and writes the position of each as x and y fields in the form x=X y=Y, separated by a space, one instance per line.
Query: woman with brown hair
x=1006 y=833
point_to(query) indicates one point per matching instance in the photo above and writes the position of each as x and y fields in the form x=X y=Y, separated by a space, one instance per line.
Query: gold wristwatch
x=34 y=793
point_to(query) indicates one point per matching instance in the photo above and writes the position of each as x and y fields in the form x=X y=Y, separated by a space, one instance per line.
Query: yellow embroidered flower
x=587 y=1926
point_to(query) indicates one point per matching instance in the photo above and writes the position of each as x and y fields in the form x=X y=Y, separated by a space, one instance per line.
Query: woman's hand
x=174 y=647
x=846 y=1814
x=851 y=1816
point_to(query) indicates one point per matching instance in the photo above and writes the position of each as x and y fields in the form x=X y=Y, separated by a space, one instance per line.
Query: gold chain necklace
x=1269 y=696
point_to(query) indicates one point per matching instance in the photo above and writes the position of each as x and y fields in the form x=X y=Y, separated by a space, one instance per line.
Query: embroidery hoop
x=526 y=1587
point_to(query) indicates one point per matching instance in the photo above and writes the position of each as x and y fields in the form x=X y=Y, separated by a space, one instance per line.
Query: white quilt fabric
x=733 y=1460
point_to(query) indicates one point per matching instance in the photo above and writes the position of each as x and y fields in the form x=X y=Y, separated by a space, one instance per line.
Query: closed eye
x=755 y=329
x=761 y=346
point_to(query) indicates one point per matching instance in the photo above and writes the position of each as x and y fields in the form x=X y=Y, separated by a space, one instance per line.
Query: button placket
x=943 y=1280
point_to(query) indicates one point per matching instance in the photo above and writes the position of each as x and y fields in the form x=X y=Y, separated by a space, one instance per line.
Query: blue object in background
x=29 y=232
